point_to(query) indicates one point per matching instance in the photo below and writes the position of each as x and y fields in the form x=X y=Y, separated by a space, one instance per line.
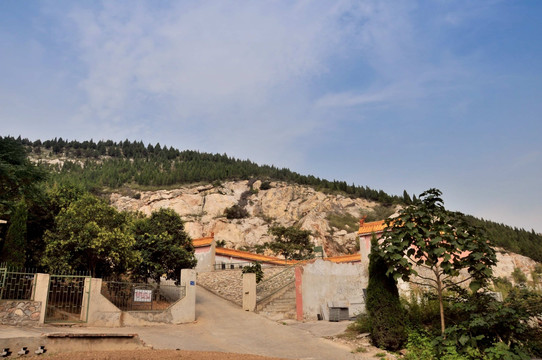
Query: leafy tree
x=255 y=268
x=13 y=252
x=291 y=242
x=480 y=321
x=383 y=305
x=90 y=235
x=432 y=238
x=164 y=246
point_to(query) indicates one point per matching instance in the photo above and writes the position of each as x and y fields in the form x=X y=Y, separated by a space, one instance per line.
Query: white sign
x=142 y=295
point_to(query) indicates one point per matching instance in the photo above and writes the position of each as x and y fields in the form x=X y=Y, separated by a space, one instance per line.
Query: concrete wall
x=206 y=258
x=103 y=313
x=183 y=311
x=325 y=284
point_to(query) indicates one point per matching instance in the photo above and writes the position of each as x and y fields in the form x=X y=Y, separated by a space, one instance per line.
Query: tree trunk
x=441 y=305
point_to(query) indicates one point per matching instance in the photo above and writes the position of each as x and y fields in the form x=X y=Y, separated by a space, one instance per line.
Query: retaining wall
x=20 y=312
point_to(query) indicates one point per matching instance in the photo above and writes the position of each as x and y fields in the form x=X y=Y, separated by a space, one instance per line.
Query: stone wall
x=228 y=284
x=20 y=312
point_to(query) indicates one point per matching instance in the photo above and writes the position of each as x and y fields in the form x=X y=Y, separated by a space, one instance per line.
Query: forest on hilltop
x=97 y=166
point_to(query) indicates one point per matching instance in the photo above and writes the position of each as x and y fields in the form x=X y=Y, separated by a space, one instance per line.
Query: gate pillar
x=40 y=293
x=249 y=291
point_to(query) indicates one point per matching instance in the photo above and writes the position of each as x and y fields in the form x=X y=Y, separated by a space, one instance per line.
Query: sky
x=394 y=95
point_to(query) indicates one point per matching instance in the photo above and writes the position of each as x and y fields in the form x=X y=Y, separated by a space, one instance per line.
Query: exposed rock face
x=202 y=208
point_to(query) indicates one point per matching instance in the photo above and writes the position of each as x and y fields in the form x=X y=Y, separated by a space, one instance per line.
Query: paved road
x=224 y=327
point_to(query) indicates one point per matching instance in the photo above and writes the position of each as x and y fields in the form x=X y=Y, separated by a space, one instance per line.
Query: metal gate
x=68 y=299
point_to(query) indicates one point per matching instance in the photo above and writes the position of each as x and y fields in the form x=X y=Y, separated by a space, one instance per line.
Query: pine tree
x=383 y=305
x=13 y=251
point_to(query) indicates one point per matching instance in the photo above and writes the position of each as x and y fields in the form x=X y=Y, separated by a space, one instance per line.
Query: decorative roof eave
x=345 y=258
x=371 y=227
x=203 y=242
x=253 y=257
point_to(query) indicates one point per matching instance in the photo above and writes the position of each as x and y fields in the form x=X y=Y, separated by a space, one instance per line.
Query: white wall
x=326 y=283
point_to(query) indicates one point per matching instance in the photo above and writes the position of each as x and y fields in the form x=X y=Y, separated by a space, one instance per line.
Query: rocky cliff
x=202 y=207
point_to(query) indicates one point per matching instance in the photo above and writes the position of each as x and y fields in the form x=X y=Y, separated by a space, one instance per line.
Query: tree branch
x=457 y=283
x=426 y=278
x=424 y=284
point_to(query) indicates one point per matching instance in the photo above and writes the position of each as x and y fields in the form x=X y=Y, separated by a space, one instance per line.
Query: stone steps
x=281 y=308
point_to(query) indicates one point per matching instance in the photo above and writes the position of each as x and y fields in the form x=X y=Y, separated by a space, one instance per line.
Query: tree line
x=131 y=162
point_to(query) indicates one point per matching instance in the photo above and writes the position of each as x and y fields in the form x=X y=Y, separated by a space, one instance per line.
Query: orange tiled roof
x=345 y=258
x=253 y=257
x=201 y=242
x=372 y=227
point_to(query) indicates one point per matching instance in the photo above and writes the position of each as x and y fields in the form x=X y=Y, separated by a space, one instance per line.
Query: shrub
x=419 y=347
x=255 y=268
x=518 y=276
x=266 y=185
x=362 y=324
x=343 y=221
x=236 y=212
x=383 y=305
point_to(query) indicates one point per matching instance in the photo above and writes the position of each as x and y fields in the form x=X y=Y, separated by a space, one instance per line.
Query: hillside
x=332 y=219
x=133 y=168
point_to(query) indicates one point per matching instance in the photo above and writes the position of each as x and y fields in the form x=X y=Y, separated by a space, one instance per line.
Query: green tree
x=18 y=176
x=291 y=242
x=14 y=249
x=255 y=268
x=432 y=238
x=383 y=305
x=164 y=246
x=90 y=235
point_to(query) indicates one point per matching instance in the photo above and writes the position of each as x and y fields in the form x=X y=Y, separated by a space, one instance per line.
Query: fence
x=16 y=284
x=129 y=296
x=232 y=266
x=67 y=298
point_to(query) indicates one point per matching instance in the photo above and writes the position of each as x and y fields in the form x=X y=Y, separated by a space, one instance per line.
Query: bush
x=236 y=212
x=518 y=276
x=383 y=305
x=255 y=268
x=419 y=347
x=266 y=185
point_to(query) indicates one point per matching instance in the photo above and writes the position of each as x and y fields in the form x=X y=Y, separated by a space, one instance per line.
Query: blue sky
x=390 y=94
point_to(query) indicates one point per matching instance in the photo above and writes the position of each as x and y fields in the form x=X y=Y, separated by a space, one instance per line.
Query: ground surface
x=220 y=327
x=150 y=354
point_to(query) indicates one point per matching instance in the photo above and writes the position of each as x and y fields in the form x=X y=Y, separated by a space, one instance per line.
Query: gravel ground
x=150 y=354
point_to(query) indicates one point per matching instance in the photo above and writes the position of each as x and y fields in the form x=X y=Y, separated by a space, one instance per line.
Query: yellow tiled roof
x=345 y=258
x=201 y=242
x=253 y=257
x=372 y=227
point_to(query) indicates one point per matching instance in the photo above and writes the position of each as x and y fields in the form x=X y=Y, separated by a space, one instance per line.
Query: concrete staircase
x=280 y=307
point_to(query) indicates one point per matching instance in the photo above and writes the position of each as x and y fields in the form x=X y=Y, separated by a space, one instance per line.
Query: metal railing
x=232 y=266
x=275 y=283
x=67 y=298
x=17 y=284
x=128 y=296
